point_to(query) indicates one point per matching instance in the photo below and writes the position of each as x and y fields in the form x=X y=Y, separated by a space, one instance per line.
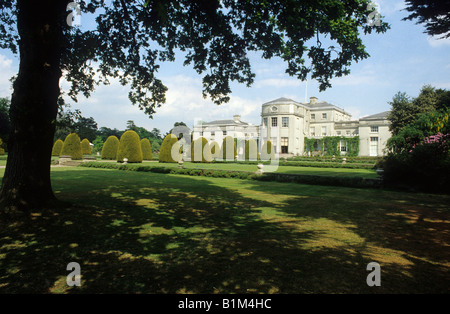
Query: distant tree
x=156 y=133
x=131 y=125
x=105 y=132
x=405 y=109
x=434 y=14
x=4 y=118
x=98 y=145
x=86 y=128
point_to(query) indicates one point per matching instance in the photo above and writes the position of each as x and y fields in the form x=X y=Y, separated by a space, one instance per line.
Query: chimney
x=313 y=100
x=237 y=118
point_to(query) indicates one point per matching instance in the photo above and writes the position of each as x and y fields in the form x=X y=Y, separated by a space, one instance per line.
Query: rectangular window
x=224 y=133
x=324 y=131
x=324 y=115
x=284 y=145
x=313 y=116
x=213 y=133
x=338 y=132
x=285 y=122
x=347 y=132
x=264 y=121
x=274 y=121
x=374 y=129
x=312 y=131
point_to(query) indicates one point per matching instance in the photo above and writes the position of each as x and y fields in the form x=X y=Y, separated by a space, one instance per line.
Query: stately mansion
x=286 y=123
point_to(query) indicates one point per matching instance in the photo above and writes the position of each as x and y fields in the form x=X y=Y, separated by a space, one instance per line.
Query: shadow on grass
x=152 y=233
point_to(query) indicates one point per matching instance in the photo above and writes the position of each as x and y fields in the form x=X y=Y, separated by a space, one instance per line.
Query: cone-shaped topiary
x=72 y=147
x=146 y=149
x=2 y=150
x=170 y=149
x=228 y=150
x=86 y=147
x=130 y=147
x=267 y=151
x=57 y=147
x=215 y=149
x=251 y=150
x=110 y=147
x=200 y=150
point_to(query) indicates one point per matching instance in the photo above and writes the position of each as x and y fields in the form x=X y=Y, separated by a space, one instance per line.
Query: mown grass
x=364 y=173
x=135 y=232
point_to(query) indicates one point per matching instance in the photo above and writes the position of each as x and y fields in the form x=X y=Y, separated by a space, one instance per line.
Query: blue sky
x=403 y=59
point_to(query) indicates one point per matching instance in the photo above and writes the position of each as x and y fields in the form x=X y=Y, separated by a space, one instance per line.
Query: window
x=343 y=146
x=313 y=116
x=213 y=133
x=284 y=145
x=285 y=122
x=374 y=129
x=312 y=131
x=224 y=133
x=324 y=131
x=264 y=121
x=274 y=121
x=338 y=132
x=347 y=132
x=324 y=115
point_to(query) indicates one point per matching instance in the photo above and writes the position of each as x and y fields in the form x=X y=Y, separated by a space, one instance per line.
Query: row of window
x=313 y=116
x=274 y=122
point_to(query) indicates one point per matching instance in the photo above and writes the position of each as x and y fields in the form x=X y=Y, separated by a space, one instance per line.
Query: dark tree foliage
x=434 y=14
x=129 y=41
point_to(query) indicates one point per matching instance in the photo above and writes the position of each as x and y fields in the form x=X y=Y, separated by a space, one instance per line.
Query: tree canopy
x=434 y=14
x=131 y=39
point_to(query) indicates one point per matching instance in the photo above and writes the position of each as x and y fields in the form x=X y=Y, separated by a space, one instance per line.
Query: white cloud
x=6 y=72
x=436 y=42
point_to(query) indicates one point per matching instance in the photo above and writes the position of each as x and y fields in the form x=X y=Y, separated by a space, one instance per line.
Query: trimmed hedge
x=215 y=149
x=86 y=147
x=251 y=150
x=130 y=147
x=146 y=147
x=72 y=147
x=170 y=145
x=110 y=147
x=267 y=151
x=57 y=147
x=356 y=182
x=200 y=150
x=2 y=150
x=227 y=153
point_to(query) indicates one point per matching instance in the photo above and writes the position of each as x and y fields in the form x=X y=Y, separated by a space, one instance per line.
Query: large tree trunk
x=26 y=184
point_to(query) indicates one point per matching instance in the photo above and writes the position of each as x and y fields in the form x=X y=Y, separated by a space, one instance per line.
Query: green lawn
x=365 y=173
x=135 y=232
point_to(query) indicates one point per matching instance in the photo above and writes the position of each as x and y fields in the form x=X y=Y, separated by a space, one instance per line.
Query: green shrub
x=170 y=149
x=72 y=147
x=110 y=147
x=267 y=151
x=251 y=150
x=146 y=147
x=130 y=147
x=86 y=147
x=228 y=150
x=57 y=147
x=2 y=150
x=200 y=150
x=215 y=149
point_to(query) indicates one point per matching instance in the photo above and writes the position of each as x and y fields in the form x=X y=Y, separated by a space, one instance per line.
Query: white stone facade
x=286 y=123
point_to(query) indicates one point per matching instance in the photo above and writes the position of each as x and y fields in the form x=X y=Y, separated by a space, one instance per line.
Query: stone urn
x=125 y=161
x=180 y=163
x=260 y=169
x=380 y=172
